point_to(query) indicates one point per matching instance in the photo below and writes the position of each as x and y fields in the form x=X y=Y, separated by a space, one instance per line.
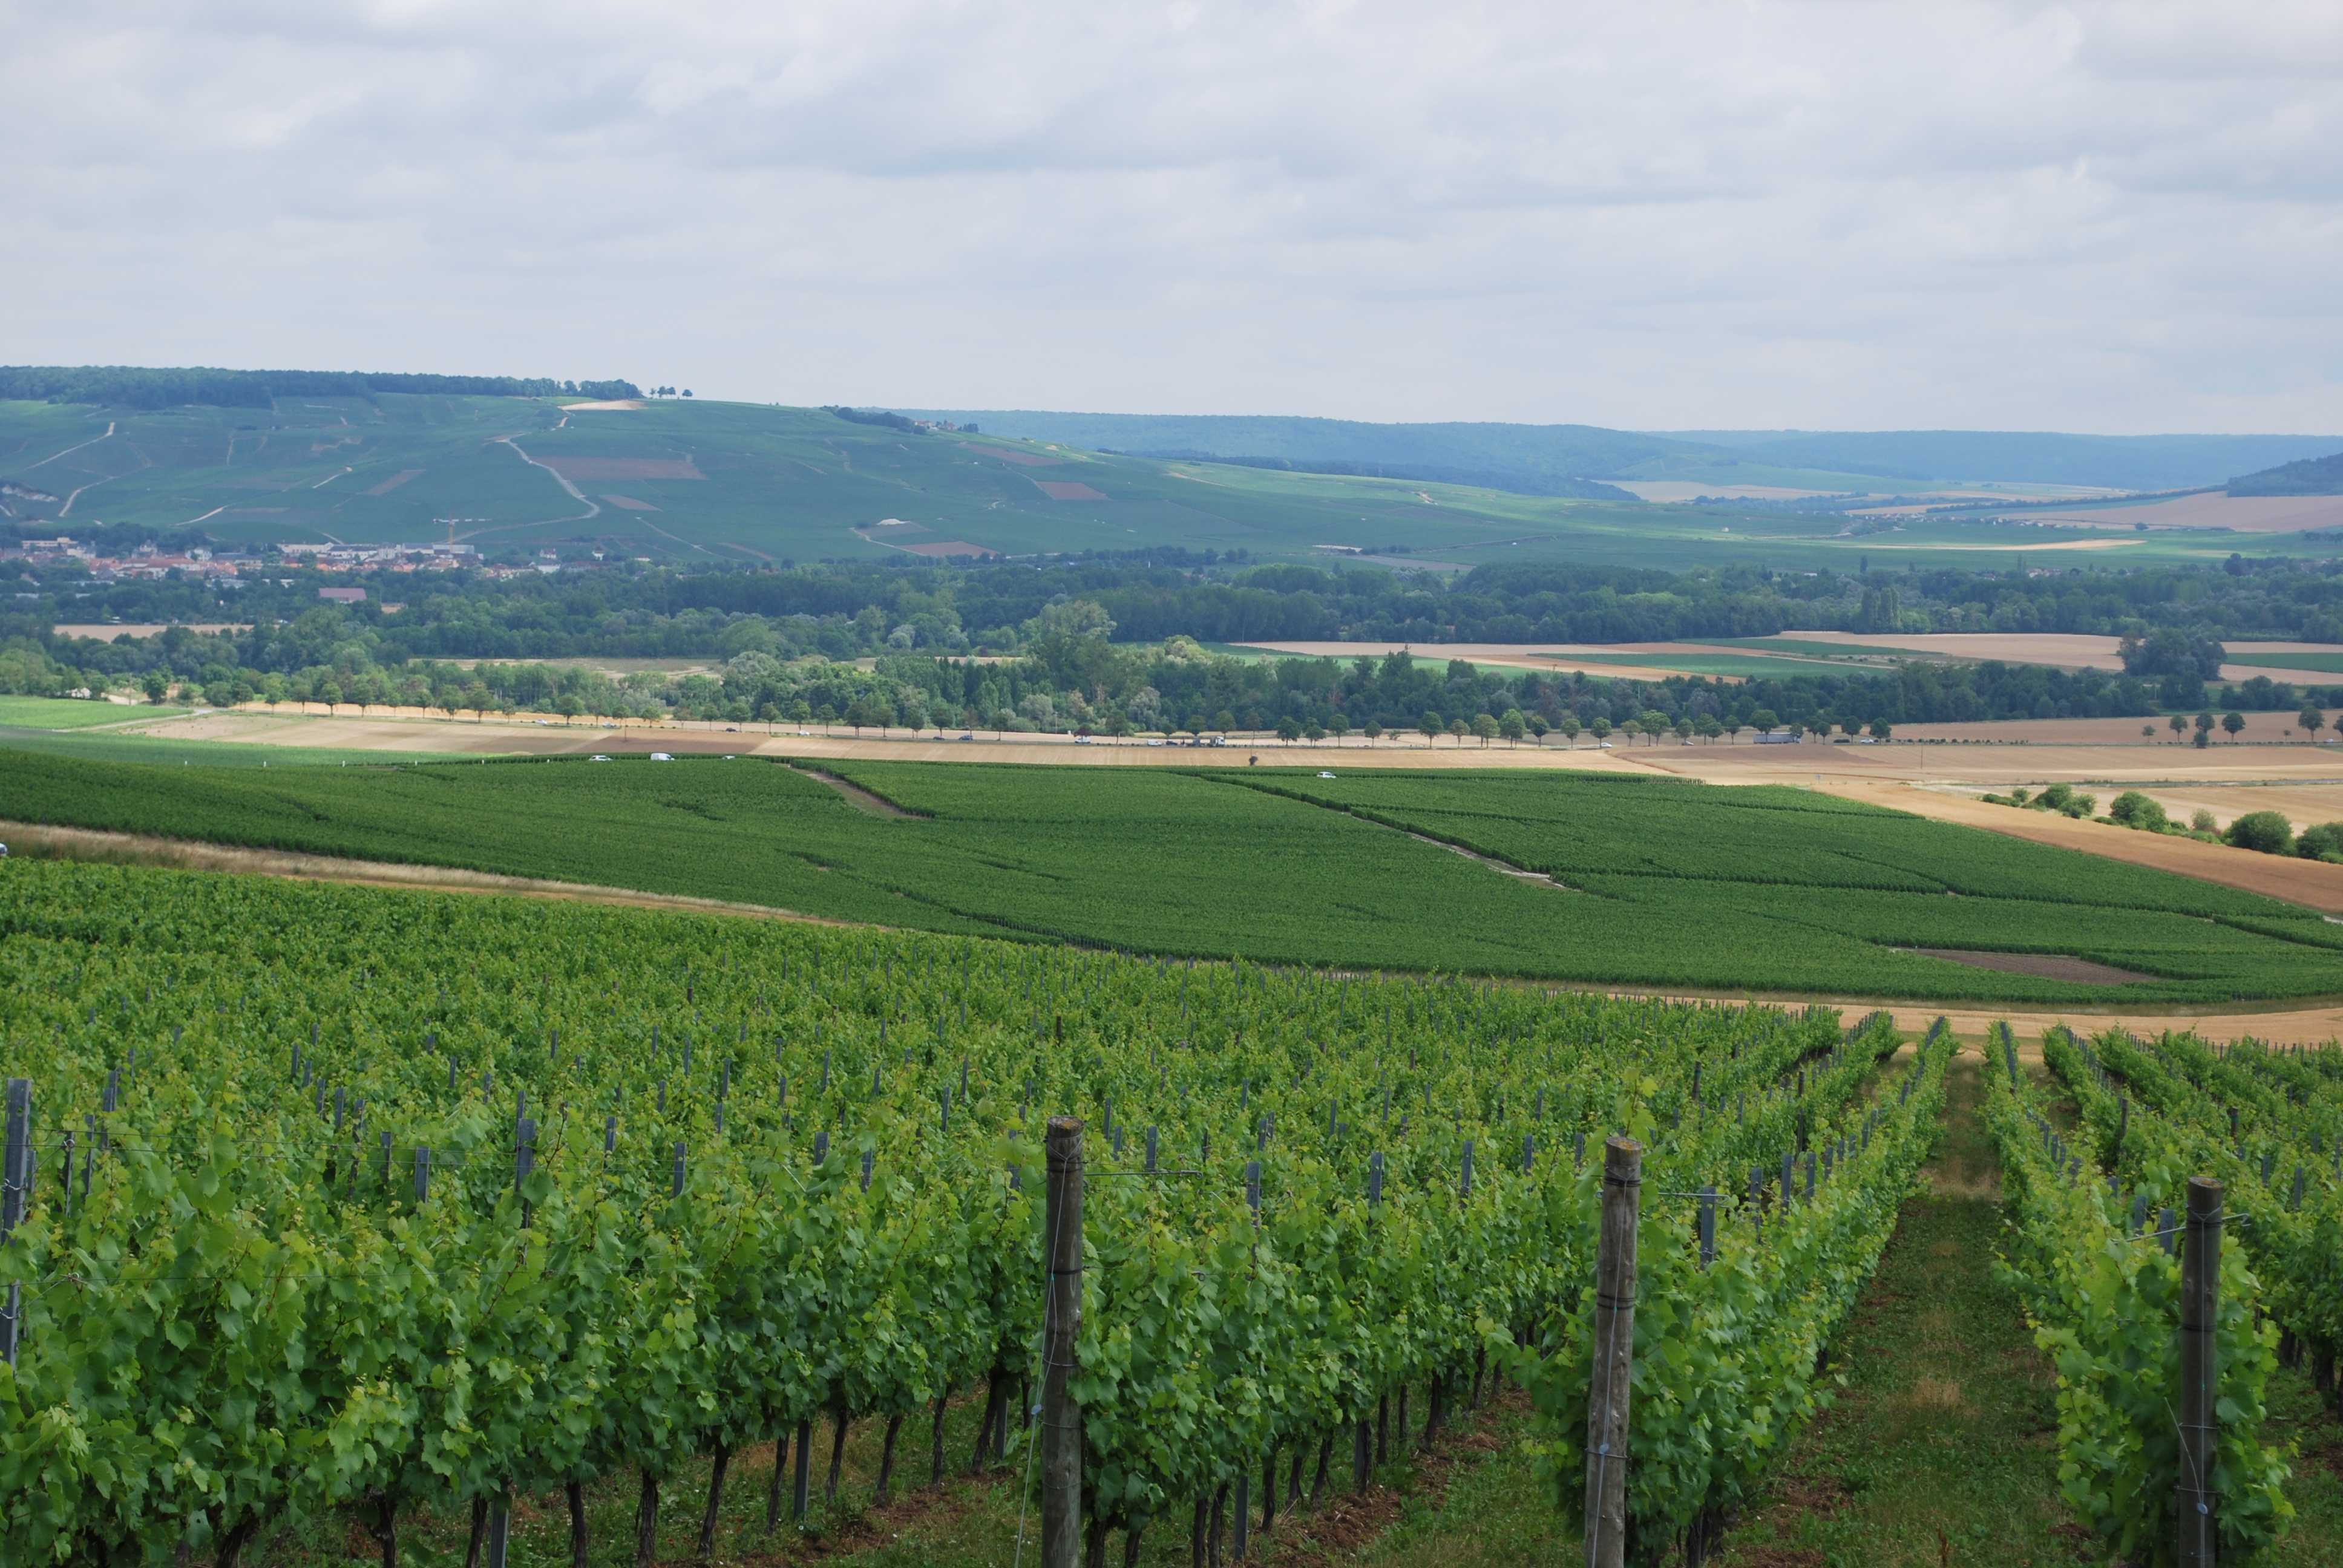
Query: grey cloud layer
x=2119 y=217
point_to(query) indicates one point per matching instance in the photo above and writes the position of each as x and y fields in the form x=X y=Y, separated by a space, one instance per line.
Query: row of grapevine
x=1730 y=1329
x=2270 y=1125
x=2092 y=1254
x=351 y=1200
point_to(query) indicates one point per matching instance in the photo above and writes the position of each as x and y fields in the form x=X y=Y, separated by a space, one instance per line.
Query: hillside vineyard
x=341 y=1196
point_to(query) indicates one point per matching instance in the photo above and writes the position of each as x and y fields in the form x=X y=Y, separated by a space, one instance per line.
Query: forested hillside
x=2310 y=477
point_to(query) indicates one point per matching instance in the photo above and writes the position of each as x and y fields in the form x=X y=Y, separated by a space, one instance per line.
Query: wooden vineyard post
x=1614 y=1349
x=1061 y=1419
x=16 y=1182
x=2200 y=1286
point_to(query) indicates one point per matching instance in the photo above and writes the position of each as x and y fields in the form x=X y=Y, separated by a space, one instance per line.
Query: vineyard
x=1626 y=882
x=339 y=1203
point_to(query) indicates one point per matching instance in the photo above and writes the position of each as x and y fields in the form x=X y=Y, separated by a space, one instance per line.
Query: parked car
x=964 y=736
x=598 y=758
x=1324 y=774
x=661 y=757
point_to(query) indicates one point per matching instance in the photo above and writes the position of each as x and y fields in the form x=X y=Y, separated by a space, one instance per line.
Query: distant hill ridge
x=1533 y=459
x=2309 y=477
x=149 y=387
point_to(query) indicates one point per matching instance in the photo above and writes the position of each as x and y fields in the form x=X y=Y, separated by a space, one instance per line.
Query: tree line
x=2176 y=616
x=141 y=386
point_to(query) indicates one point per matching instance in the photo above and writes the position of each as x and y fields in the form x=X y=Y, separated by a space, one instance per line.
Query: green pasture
x=67 y=713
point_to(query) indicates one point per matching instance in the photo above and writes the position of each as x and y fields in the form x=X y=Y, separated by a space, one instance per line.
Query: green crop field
x=1795 y=644
x=1665 y=883
x=62 y=713
x=705 y=481
x=2326 y=663
x=1729 y=664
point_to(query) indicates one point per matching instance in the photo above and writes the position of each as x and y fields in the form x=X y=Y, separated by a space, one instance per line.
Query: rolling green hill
x=1526 y=456
x=1529 y=458
x=703 y=482
x=2111 y=462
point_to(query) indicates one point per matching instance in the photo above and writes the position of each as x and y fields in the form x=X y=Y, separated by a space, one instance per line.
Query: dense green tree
x=2322 y=842
x=2266 y=832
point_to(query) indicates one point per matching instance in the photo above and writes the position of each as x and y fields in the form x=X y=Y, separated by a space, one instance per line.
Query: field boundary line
x=1498 y=864
x=861 y=796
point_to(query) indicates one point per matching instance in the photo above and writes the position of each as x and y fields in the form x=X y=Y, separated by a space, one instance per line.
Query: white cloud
x=2120 y=216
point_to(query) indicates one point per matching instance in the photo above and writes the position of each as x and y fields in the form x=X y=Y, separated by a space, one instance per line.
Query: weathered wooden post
x=1614 y=1349
x=1061 y=1419
x=2200 y=1286
x=15 y=1182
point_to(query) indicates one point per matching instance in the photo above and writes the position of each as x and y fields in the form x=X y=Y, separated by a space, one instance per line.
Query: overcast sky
x=2123 y=217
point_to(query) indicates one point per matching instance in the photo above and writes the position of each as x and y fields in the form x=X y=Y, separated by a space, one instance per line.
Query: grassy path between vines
x=1942 y=1445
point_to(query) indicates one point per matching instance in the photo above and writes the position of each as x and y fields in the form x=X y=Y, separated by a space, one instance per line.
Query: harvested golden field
x=2306 y=804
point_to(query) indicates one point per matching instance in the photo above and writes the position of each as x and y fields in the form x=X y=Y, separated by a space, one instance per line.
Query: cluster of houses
x=228 y=568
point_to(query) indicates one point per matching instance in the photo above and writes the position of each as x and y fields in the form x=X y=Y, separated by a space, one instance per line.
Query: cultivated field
x=1604 y=878
x=2064 y=650
x=2305 y=805
x=59 y=713
x=1626 y=660
x=2262 y=730
x=884 y=1194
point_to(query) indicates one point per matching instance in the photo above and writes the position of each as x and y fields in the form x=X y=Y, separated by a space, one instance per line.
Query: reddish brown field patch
x=576 y=468
x=629 y=504
x=1068 y=490
x=2049 y=966
x=1023 y=459
x=388 y=485
x=947 y=548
